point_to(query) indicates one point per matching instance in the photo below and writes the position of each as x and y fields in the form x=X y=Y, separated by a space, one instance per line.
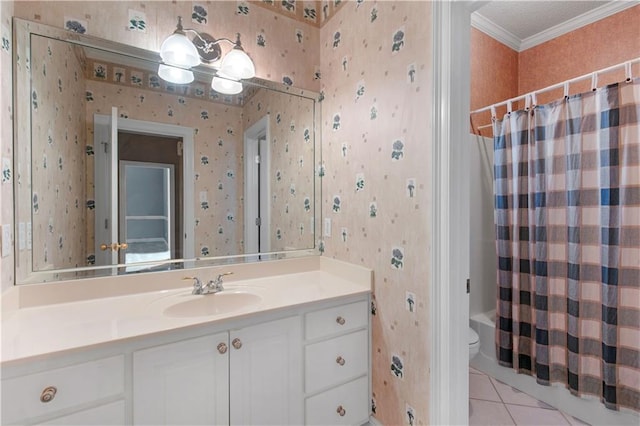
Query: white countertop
x=41 y=328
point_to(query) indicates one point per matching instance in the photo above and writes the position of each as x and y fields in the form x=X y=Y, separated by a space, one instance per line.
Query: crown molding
x=579 y=21
x=493 y=30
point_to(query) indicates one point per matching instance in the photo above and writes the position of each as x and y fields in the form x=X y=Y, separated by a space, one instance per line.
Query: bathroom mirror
x=118 y=171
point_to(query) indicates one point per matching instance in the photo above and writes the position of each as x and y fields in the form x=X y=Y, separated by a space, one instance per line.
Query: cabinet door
x=183 y=383
x=266 y=374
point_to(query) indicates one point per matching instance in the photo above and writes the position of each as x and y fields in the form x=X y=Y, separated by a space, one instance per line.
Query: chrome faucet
x=213 y=286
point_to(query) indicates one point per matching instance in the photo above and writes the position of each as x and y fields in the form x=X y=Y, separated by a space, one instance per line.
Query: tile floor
x=494 y=403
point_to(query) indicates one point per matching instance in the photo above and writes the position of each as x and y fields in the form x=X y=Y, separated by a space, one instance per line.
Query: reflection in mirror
x=124 y=168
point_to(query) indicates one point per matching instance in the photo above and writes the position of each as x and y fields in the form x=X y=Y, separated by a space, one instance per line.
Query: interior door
x=106 y=187
x=147 y=212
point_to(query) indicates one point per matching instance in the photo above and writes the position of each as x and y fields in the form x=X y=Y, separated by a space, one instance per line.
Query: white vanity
x=286 y=342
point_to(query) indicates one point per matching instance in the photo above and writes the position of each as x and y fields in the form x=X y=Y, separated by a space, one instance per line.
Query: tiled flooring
x=494 y=403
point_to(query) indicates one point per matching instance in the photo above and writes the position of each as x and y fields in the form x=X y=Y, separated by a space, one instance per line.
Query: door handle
x=114 y=246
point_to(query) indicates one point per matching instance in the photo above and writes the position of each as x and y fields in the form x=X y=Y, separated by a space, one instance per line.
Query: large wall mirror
x=121 y=172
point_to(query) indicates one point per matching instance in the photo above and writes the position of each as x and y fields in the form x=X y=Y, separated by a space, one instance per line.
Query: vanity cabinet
x=266 y=373
x=308 y=364
x=239 y=377
x=186 y=382
x=337 y=365
x=78 y=394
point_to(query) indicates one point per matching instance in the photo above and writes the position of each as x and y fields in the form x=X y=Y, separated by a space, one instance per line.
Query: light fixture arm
x=207 y=44
x=178 y=53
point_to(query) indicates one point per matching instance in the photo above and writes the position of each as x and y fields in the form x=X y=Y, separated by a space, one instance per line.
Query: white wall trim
x=495 y=31
x=449 y=313
x=251 y=140
x=579 y=21
x=503 y=36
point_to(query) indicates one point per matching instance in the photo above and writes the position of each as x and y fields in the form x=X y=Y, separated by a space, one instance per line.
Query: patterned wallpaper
x=283 y=49
x=57 y=160
x=292 y=165
x=376 y=75
x=315 y=12
x=6 y=138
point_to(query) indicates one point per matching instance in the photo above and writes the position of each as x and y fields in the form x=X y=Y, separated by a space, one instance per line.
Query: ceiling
x=524 y=24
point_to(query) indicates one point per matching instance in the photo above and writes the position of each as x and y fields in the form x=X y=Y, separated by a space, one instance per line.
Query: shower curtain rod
x=594 y=80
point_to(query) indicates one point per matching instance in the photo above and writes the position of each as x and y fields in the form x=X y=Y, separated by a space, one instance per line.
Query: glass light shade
x=175 y=75
x=238 y=65
x=222 y=84
x=178 y=50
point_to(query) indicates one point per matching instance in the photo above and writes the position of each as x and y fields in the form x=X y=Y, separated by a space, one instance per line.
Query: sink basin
x=212 y=304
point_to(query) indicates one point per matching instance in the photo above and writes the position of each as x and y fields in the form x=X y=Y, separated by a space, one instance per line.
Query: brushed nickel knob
x=237 y=343
x=340 y=360
x=48 y=394
x=340 y=320
x=341 y=411
x=222 y=348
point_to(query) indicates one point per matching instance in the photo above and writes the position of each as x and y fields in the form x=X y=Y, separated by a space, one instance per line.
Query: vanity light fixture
x=224 y=84
x=179 y=55
x=175 y=75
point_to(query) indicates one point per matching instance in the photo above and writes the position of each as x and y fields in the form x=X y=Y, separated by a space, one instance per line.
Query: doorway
x=133 y=156
x=257 y=187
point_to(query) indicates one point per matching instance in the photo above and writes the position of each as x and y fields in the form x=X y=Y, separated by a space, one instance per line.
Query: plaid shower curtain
x=567 y=216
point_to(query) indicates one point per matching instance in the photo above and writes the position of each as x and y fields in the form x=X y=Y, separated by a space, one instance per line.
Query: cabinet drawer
x=335 y=320
x=333 y=361
x=345 y=405
x=109 y=414
x=74 y=385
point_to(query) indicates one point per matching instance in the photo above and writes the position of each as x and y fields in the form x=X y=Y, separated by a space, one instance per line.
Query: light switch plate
x=6 y=240
x=28 y=235
x=22 y=236
x=327 y=227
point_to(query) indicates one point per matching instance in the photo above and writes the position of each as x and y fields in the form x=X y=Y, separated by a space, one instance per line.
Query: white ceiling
x=524 y=24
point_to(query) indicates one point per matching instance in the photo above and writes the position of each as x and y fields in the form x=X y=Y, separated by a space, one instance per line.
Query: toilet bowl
x=474 y=343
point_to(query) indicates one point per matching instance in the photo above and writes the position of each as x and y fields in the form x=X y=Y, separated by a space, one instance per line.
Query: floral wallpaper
x=284 y=48
x=376 y=76
x=6 y=139
x=292 y=165
x=313 y=12
x=57 y=156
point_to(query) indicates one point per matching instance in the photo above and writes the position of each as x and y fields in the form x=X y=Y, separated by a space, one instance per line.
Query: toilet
x=474 y=343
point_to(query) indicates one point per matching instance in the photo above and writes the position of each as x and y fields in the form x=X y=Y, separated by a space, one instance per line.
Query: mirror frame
x=24 y=273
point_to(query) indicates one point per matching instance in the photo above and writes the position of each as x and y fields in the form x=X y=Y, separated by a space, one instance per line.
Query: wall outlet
x=6 y=240
x=22 y=236
x=28 y=235
x=327 y=227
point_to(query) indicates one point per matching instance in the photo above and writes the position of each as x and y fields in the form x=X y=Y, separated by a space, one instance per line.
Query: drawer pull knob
x=237 y=343
x=340 y=320
x=48 y=394
x=340 y=360
x=222 y=348
x=341 y=411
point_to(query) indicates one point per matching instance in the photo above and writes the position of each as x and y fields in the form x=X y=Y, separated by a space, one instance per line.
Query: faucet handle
x=197 y=284
x=219 y=277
